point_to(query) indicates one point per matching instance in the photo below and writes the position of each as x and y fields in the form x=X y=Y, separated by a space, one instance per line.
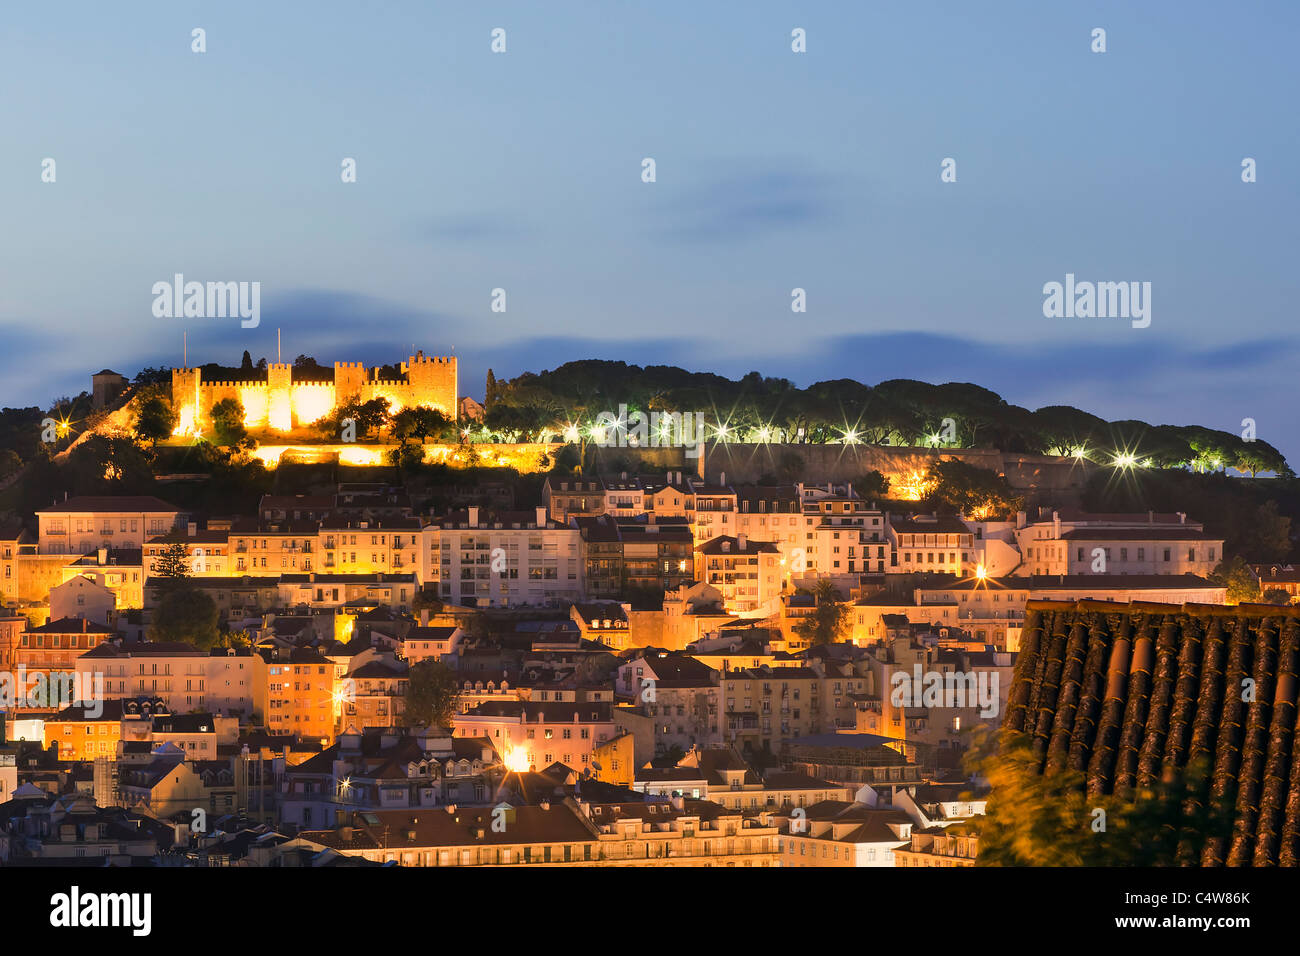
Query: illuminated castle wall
x=281 y=402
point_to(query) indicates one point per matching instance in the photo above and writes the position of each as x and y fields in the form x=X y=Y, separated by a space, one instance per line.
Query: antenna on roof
x=277 y=347
x=185 y=349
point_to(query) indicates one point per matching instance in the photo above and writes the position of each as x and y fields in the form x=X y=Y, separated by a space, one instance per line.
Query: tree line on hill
x=896 y=412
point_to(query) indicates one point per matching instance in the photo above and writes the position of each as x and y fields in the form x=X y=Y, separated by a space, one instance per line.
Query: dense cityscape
x=443 y=441
x=302 y=616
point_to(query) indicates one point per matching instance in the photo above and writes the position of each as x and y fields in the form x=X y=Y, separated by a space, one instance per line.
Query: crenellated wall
x=279 y=403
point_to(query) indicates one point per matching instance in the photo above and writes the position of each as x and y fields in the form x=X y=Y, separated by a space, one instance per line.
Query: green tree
x=186 y=614
x=418 y=423
x=871 y=486
x=171 y=569
x=1238 y=578
x=1267 y=537
x=9 y=462
x=368 y=417
x=431 y=693
x=969 y=490
x=830 y=619
x=228 y=422
x=155 y=420
x=1276 y=596
x=1049 y=819
x=426 y=599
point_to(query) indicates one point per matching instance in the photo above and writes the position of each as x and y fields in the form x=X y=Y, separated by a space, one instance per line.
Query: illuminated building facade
x=283 y=397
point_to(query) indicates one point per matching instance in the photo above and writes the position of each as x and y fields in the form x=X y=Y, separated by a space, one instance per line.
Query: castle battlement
x=247 y=383
x=276 y=401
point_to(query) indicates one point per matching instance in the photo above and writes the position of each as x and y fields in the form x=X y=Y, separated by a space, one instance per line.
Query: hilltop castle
x=284 y=397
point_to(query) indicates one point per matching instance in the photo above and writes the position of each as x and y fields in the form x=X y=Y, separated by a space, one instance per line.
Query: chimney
x=679 y=481
x=192 y=528
x=424 y=617
x=103 y=555
x=722 y=477
x=1182 y=517
x=668 y=478
x=541 y=517
x=473 y=516
x=740 y=542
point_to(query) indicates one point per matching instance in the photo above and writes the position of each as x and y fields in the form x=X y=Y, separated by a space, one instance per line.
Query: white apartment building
x=361 y=546
x=184 y=677
x=820 y=532
x=565 y=497
x=1065 y=542
x=1139 y=551
x=747 y=573
x=992 y=610
x=322 y=591
x=624 y=496
x=479 y=558
x=711 y=508
x=85 y=524
x=852 y=537
x=940 y=543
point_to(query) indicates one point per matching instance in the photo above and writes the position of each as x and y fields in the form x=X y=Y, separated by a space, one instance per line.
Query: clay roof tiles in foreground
x=1125 y=692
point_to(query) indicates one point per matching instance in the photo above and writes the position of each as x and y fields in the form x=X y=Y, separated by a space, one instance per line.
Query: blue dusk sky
x=775 y=170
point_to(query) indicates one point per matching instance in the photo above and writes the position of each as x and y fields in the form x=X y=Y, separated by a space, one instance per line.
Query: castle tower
x=433 y=382
x=349 y=381
x=186 y=401
x=279 y=384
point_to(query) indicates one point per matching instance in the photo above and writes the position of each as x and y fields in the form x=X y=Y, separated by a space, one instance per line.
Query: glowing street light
x=981 y=572
x=516 y=759
x=1125 y=460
